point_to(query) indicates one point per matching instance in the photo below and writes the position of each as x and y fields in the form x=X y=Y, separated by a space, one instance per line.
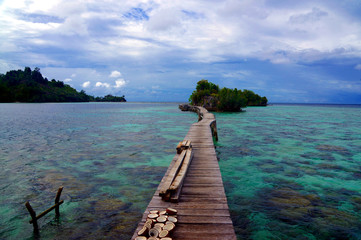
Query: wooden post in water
x=33 y=216
x=57 y=198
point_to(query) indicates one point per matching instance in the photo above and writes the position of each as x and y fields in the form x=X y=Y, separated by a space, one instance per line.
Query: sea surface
x=290 y=171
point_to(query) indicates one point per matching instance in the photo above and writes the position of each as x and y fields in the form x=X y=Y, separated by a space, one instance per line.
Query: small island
x=30 y=86
x=209 y=96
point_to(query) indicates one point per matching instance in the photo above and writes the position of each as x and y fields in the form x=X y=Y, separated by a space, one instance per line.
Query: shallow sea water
x=110 y=157
x=290 y=172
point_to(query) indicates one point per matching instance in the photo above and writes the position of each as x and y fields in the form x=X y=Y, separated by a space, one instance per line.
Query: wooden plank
x=178 y=180
x=172 y=174
x=200 y=229
x=205 y=219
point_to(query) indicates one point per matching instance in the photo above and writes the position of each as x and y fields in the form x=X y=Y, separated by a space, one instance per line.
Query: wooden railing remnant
x=34 y=218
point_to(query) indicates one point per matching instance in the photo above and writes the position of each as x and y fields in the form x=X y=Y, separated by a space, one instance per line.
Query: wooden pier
x=202 y=208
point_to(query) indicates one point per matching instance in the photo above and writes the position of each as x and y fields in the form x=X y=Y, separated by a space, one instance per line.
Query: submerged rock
x=336 y=149
x=295 y=208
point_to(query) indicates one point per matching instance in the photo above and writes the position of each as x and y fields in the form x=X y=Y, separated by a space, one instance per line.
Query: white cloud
x=315 y=15
x=86 y=84
x=100 y=84
x=164 y=19
x=115 y=74
x=119 y=83
x=68 y=80
x=143 y=37
x=195 y=30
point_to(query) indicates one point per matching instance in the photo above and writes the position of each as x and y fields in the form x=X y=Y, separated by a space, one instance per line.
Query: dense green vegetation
x=209 y=95
x=110 y=98
x=31 y=86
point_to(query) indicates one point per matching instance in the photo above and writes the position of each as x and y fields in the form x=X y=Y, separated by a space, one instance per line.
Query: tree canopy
x=209 y=95
x=30 y=86
x=110 y=98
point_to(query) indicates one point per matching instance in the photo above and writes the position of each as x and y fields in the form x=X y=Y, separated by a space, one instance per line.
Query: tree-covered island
x=209 y=96
x=30 y=86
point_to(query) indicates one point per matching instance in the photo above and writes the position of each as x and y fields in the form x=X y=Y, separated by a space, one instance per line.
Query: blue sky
x=290 y=51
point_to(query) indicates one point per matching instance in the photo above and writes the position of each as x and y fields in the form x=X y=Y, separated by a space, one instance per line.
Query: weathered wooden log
x=33 y=216
x=149 y=221
x=171 y=211
x=162 y=212
x=140 y=238
x=57 y=198
x=170 y=223
x=159 y=228
x=172 y=219
x=165 y=186
x=143 y=231
x=152 y=215
x=164 y=233
x=159 y=224
x=169 y=227
x=182 y=172
x=147 y=225
x=162 y=219
x=153 y=232
x=176 y=187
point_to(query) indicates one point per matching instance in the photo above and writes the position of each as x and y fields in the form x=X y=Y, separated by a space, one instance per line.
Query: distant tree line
x=30 y=86
x=110 y=98
x=213 y=98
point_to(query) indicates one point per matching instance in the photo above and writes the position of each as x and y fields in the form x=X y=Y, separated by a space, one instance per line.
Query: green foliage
x=110 y=98
x=208 y=94
x=204 y=88
x=254 y=99
x=231 y=100
x=31 y=86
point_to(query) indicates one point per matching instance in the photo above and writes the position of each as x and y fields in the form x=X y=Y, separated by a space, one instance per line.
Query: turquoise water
x=109 y=157
x=292 y=172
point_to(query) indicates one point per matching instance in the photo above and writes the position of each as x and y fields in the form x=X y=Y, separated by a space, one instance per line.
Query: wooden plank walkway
x=202 y=210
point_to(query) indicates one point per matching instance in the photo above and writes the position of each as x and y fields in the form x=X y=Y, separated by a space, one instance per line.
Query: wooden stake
x=57 y=198
x=33 y=216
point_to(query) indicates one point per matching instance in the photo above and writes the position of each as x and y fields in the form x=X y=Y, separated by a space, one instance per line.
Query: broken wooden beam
x=166 y=184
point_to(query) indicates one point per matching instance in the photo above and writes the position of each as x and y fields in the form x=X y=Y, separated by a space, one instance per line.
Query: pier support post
x=57 y=198
x=214 y=130
x=33 y=217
